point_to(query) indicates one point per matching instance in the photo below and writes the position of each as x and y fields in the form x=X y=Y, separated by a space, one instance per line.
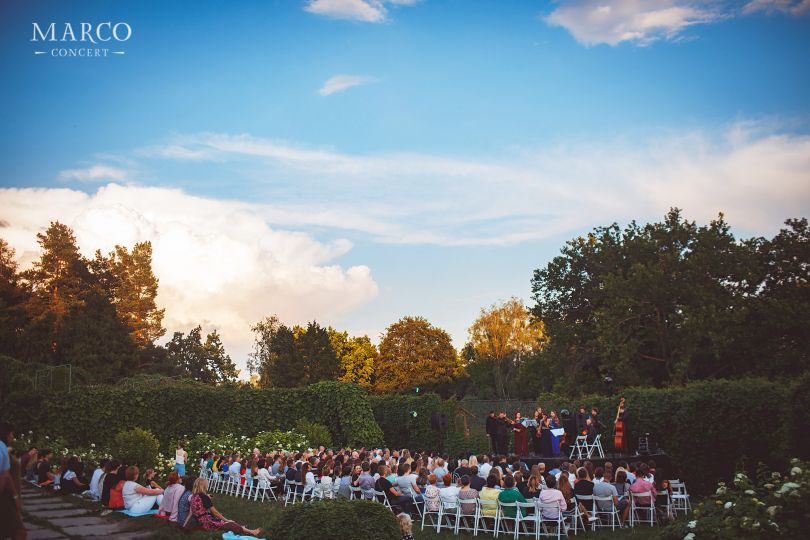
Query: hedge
x=97 y=413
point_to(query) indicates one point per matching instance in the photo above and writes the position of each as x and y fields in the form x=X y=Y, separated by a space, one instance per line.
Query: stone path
x=47 y=516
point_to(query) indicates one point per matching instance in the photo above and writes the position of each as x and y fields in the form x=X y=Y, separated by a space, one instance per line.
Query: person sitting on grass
x=171 y=496
x=73 y=480
x=139 y=499
x=44 y=474
x=149 y=480
x=184 y=517
x=209 y=518
x=95 y=481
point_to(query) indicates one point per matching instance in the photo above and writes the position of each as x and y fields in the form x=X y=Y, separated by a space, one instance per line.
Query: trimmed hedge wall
x=96 y=414
x=401 y=429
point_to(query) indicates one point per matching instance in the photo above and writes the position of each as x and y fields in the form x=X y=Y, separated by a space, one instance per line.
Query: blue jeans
x=180 y=468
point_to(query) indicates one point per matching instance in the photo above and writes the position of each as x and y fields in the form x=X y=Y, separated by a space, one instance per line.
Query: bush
x=316 y=434
x=339 y=519
x=773 y=505
x=136 y=447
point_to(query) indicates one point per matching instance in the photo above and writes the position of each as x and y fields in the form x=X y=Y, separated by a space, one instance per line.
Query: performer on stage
x=620 y=438
x=521 y=436
x=590 y=430
x=503 y=430
x=492 y=432
x=545 y=437
x=582 y=416
x=535 y=431
x=555 y=441
x=597 y=424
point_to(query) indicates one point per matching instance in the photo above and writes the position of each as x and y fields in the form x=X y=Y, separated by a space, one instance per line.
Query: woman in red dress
x=521 y=437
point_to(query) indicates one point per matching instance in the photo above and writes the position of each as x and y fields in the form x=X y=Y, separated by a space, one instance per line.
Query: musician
x=582 y=416
x=621 y=439
x=535 y=431
x=502 y=429
x=555 y=440
x=597 y=424
x=545 y=437
x=590 y=430
x=521 y=436
x=492 y=431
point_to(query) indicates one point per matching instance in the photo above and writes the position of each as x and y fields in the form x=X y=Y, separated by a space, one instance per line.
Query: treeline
x=655 y=305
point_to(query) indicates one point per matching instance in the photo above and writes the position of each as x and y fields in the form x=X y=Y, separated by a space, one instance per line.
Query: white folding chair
x=367 y=494
x=433 y=514
x=575 y=515
x=580 y=447
x=587 y=502
x=381 y=498
x=596 y=445
x=448 y=510
x=503 y=519
x=419 y=505
x=664 y=502
x=641 y=512
x=680 y=498
x=606 y=512
x=486 y=515
x=550 y=526
x=465 y=521
x=356 y=492
x=527 y=522
x=289 y=492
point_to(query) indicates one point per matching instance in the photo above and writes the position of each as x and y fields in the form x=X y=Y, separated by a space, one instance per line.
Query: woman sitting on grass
x=209 y=518
x=73 y=480
x=139 y=499
x=171 y=497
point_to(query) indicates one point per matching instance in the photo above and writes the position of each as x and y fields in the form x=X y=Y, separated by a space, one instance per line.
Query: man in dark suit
x=503 y=433
x=492 y=431
x=582 y=417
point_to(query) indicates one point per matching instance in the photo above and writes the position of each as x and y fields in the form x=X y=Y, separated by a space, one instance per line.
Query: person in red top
x=642 y=486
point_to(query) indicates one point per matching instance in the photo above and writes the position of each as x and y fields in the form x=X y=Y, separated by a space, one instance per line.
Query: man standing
x=492 y=431
x=503 y=434
x=11 y=525
x=582 y=416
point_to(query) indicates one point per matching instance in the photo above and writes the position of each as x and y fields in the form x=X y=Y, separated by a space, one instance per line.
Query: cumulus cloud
x=339 y=83
x=753 y=172
x=219 y=262
x=96 y=173
x=593 y=22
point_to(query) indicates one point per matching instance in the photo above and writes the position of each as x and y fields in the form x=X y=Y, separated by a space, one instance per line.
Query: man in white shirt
x=484 y=468
x=95 y=480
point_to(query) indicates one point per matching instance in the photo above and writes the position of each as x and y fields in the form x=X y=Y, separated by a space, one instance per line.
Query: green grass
x=257 y=514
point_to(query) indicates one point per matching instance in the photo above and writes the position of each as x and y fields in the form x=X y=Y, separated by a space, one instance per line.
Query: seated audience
x=208 y=517
x=490 y=493
x=550 y=499
x=137 y=498
x=73 y=480
x=432 y=495
x=171 y=496
x=449 y=493
x=185 y=518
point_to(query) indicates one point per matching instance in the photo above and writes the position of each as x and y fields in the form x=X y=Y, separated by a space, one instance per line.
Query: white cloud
x=358 y=10
x=339 y=83
x=218 y=262
x=791 y=7
x=374 y=11
x=96 y=173
x=593 y=22
x=753 y=172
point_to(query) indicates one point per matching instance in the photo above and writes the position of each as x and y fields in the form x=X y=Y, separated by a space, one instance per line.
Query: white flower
x=749 y=492
x=692 y=524
x=92 y=445
x=721 y=490
x=772 y=510
x=795 y=471
x=690 y=536
x=728 y=505
x=788 y=486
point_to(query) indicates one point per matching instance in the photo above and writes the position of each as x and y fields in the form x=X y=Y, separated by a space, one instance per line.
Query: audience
x=137 y=498
x=171 y=496
x=551 y=500
x=208 y=517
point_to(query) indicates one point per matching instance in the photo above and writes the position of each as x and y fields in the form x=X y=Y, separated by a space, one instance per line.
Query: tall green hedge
x=96 y=414
x=405 y=420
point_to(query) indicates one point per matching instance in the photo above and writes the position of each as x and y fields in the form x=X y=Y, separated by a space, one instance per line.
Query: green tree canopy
x=202 y=361
x=413 y=352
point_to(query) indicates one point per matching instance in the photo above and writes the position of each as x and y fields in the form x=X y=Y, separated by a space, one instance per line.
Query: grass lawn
x=255 y=514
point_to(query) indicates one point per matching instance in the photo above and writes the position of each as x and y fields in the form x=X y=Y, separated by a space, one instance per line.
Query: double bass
x=620 y=430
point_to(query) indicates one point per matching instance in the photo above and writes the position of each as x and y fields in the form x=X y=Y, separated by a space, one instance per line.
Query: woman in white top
x=180 y=458
x=138 y=499
x=308 y=477
x=324 y=489
x=449 y=493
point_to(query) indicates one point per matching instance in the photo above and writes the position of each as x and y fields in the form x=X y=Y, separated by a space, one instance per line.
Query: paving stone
x=60 y=513
x=107 y=529
x=44 y=534
x=82 y=521
x=32 y=526
x=47 y=503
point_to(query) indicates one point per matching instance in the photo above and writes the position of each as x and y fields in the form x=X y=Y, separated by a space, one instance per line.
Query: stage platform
x=662 y=460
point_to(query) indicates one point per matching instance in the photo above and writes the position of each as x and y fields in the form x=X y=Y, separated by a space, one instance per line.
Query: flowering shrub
x=265 y=441
x=773 y=505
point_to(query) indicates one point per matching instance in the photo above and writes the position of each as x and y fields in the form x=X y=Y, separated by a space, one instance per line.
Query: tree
x=206 y=362
x=357 y=356
x=503 y=335
x=134 y=290
x=12 y=300
x=413 y=352
x=57 y=281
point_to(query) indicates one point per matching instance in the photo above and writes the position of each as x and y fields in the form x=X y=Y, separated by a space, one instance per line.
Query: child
x=405 y=526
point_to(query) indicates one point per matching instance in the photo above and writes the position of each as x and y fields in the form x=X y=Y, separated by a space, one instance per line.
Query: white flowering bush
x=265 y=441
x=774 y=505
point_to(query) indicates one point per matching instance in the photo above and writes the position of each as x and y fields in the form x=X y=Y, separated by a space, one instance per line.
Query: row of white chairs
x=585 y=450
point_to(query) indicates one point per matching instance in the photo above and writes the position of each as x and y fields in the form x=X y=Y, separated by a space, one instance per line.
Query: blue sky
x=355 y=161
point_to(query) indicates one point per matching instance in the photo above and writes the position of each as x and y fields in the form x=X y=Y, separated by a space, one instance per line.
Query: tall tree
x=134 y=292
x=58 y=280
x=413 y=352
x=357 y=356
x=202 y=361
x=503 y=335
x=12 y=300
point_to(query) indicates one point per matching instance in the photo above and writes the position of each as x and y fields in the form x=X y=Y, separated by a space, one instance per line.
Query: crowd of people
x=411 y=483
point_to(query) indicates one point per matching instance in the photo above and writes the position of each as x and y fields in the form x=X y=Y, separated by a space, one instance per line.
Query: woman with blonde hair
x=209 y=518
x=473 y=462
